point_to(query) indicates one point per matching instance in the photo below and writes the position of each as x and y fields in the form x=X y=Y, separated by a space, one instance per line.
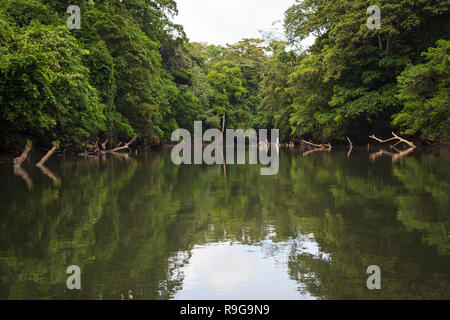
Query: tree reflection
x=131 y=223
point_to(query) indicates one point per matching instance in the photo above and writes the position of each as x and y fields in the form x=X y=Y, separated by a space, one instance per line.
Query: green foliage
x=276 y=109
x=105 y=80
x=226 y=80
x=130 y=70
x=425 y=90
x=347 y=84
x=44 y=87
x=22 y=12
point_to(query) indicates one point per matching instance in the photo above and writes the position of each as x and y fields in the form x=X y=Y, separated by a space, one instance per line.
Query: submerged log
x=19 y=160
x=48 y=155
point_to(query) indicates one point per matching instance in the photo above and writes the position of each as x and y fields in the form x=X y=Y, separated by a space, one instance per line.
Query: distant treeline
x=129 y=71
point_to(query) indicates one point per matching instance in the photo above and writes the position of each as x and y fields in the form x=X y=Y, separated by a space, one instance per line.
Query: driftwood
x=19 y=160
x=121 y=147
x=90 y=153
x=317 y=147
x=395 y=137
x=96 y=149
x=395 y=156
x=328 y=145
x=48 y=155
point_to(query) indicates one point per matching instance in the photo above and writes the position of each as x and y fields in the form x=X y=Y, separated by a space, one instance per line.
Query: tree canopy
x=131 y=71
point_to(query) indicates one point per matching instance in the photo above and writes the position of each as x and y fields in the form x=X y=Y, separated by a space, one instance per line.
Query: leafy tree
x=276 y=110
x=351 y=71
x=44 y=87
x=425 y=90
x=226 y=80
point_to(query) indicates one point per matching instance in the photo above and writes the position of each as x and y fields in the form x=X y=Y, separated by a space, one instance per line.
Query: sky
x=227 y=21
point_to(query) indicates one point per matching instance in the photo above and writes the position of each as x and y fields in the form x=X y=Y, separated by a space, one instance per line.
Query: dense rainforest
x=130 y=71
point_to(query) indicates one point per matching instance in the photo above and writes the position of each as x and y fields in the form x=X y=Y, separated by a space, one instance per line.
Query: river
x=140 y=227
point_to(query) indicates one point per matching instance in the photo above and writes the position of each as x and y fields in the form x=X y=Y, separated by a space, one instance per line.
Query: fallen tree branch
x=48 y=155
x=88 y=153
x=19 y=160
x=317 y=145
x=120 y=143
x=120 y=147
x=395 y=137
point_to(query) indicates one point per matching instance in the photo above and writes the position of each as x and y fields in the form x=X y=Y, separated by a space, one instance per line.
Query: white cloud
x=220 y=22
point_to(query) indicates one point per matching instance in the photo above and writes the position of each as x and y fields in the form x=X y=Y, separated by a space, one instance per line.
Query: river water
x=140 y=227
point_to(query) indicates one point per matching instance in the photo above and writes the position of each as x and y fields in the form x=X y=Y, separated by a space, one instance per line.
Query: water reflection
x=141 y=228
x=236 y=271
